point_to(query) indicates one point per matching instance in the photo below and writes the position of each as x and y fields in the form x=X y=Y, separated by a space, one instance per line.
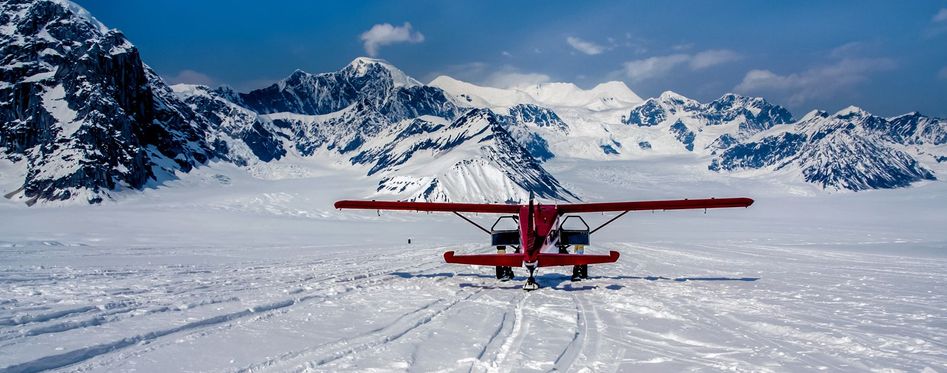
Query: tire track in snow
x=318 y=356
x=577 y=345
x=513 y=340
x=85 y=353
x=505 y=329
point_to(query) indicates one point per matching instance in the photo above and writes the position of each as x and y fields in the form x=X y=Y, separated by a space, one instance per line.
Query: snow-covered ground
x=220 y=271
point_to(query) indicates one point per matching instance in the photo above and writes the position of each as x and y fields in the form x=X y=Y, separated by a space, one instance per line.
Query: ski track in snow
x=662 y=307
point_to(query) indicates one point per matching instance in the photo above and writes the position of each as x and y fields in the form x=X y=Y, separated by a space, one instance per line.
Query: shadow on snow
x=563 y=282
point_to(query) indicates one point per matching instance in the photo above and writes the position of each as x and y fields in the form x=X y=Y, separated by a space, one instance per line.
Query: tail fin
x=530 y=213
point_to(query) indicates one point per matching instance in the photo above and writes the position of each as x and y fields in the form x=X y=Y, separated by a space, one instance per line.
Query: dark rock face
x=416 y=101
x=231 y=126
x=766 y=152
x=913 y=129
x=364 y=82
x=646 y=115
x=757 y=113
x=542 y=117
x=78 y=104
x=683 y=134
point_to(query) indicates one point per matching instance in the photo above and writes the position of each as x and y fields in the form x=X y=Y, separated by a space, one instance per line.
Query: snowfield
x=219 y=271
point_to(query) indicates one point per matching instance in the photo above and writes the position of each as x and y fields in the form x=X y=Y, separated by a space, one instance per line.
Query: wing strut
x=471 y=222
x=609 y=222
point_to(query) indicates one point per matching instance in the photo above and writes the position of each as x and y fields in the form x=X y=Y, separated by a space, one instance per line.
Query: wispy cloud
x=191 y=77
x=710 y=58
x=386 y=34
x=818 y=82
x=654 y=67
x=941 y=16
x=584 y=46
x=942 y=73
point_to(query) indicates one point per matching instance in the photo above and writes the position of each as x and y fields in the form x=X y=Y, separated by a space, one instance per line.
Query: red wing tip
x=614 y=255
x=448 y=255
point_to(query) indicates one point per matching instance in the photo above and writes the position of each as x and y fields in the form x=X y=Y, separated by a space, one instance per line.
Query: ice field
x=219 y=271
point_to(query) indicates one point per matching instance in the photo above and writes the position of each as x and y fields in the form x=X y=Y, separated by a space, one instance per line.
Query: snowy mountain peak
x=669 y=96
x=605 y=96
x=851 y=111
x=813 y=115
x=677 y=101
x=616 y=90
x=80 y=12
x=362 y=66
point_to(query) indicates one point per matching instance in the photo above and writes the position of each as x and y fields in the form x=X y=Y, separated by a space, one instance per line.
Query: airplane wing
x=429 y=206
x=681 y=204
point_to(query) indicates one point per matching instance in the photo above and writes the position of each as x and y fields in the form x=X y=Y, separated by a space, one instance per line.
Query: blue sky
x=888 y=57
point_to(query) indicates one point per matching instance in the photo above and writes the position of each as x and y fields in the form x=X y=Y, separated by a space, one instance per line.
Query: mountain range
x=83 y=117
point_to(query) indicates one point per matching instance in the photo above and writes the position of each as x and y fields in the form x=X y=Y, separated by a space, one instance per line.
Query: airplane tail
x=516 y=260
x=552 y=260
x=493 y=260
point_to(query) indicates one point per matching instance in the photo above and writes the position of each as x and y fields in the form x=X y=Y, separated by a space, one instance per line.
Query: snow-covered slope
x=706 y=127
x=475 y=155
x=222 y=272
x=850 y=149
x=609 y=95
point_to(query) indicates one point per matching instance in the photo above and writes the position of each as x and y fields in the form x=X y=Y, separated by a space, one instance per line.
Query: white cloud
x=817 y=82
x=583 y=46
x=941 y=16
x=713 y=57
x=942 y=73
x=653 y=66
x=191 y=77
x=386 y=34
x=657 y=66
x=506 y=54
x=848 y=49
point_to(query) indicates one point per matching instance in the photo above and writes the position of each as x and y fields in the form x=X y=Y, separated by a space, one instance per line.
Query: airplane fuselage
x=537 y=230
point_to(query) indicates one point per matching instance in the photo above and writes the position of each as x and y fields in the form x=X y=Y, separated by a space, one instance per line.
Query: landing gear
x=503 y=273
x=530 y=284
x=580 y=272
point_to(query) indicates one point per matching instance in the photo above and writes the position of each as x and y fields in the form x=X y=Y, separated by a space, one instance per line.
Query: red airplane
x=540 y=228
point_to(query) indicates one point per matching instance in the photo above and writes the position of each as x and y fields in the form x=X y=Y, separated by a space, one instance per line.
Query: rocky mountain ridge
x=87 y=118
